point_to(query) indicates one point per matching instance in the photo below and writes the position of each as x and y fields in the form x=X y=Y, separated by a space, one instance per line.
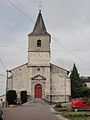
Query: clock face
x=38 y=54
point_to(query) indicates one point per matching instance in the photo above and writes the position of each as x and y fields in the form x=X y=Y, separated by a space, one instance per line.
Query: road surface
x=32 y=111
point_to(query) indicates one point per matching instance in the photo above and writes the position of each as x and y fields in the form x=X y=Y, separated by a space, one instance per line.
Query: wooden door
x=38 y=91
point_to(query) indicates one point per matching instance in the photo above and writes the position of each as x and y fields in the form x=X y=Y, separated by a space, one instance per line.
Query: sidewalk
x=57 y=114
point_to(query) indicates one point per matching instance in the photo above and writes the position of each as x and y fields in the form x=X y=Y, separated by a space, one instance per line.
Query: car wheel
x=75 y=109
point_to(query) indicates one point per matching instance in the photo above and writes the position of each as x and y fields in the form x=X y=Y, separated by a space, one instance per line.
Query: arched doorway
x=38 y=91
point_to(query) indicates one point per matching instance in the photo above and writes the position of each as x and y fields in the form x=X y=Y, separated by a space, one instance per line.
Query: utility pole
x=6 y=87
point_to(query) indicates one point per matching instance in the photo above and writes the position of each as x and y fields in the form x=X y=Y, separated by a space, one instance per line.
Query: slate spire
x=39 y=28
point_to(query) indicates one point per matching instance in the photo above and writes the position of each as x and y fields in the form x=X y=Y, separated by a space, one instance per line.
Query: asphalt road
x=33 y=111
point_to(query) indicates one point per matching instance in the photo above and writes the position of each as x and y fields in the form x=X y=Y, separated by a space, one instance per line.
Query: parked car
x=80 y=105
x=1 y=114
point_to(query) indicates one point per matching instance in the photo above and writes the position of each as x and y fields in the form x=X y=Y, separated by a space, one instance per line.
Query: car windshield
x=85 y=102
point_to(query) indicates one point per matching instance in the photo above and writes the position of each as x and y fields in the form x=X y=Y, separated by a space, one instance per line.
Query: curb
x=57 y=114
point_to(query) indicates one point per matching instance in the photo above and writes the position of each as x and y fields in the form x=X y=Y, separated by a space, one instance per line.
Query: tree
x=85 y=92
x=76 y=83
x=24 y=96
x=11 y=97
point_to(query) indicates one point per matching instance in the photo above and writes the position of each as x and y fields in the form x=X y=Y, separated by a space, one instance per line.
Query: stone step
x=37 y=100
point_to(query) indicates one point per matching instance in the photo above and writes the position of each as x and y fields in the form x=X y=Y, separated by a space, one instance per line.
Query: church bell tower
x=39 y=44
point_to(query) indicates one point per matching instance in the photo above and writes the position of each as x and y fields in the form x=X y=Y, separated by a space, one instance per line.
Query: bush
x=85 y=92
x=24 y=96
x=11 y=97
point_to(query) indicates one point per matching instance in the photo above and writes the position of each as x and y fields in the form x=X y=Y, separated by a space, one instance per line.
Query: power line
x=2 y=82
x=74 y=50
x=11 y=2
x=2 y=75
x=2 y=64
x=68 y=50
x=12 y=47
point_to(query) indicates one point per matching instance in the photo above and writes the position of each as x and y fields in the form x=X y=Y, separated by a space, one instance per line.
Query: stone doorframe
x=38 y=80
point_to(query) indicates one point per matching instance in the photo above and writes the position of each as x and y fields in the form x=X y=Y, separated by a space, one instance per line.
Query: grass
x=67 y=113
x=76 y=115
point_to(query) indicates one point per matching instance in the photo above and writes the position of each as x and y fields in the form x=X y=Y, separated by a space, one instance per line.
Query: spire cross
x=40 y=6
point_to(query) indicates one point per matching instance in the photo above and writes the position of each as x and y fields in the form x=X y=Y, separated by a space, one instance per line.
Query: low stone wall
x=60 y=98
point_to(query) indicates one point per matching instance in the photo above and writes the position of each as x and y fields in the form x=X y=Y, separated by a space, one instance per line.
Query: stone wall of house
x=88 y=84
x=86 y=80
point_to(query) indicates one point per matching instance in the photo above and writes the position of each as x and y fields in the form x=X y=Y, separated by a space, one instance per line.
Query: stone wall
x=39 y=56
x=43 y=79
x=25 y=78
x=60 y=84
x=54 y=81
x=60 y=98
x=19 y=79
x=88 y=84
x=45 y=43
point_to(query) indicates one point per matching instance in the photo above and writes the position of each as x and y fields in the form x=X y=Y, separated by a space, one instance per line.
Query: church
x=39 y=77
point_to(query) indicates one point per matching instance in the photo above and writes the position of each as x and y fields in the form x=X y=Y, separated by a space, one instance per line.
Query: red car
x=80 y=105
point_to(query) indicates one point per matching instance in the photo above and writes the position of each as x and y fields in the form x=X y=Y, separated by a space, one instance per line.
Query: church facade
x=39 y=77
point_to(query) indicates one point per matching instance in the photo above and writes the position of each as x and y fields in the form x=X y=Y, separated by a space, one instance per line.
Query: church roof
x=60 y=68
x=39 y=28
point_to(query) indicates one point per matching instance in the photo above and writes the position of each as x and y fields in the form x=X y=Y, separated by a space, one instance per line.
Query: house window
x=38 y=43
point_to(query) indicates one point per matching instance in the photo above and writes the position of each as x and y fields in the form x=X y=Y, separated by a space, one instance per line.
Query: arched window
x=38 y=43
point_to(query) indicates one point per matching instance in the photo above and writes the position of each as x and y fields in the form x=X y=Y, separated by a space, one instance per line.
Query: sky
x=68 y=22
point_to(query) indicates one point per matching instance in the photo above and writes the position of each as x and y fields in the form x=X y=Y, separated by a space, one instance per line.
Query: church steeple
x=39 y=44
x=39 y=28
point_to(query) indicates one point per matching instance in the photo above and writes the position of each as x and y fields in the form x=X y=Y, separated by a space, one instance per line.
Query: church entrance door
x=38 y=91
